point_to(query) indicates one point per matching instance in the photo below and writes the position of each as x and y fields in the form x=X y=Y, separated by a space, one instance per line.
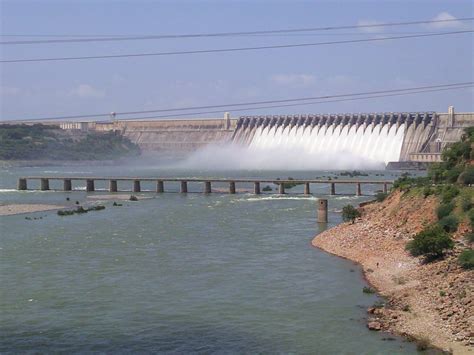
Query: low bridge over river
x=135 y=183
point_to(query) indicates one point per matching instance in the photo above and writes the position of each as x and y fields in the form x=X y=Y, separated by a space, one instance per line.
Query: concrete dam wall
x=382 y=137
x=177 y=135
x=377 y=137
x=417 y=137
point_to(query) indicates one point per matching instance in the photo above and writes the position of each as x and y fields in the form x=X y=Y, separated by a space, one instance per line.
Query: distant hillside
x=41 y=142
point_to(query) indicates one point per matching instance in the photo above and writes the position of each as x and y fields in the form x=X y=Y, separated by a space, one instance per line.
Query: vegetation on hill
x=350 y=213
x=44 y=142
x=451 y=182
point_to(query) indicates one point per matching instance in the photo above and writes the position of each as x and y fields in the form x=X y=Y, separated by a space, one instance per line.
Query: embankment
x=432 y=301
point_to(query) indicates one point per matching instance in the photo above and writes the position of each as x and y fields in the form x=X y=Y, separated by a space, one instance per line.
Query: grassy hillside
x=41 y=142
x=451 y=182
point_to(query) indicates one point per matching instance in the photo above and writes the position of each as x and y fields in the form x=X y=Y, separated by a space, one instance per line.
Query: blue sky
x=51 y=89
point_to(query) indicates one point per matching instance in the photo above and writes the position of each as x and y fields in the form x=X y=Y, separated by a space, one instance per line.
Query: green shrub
x=469 y=237
x=65 y=213
x=436 y=172
x=379 y=304
x=466 y=203
x=80 y=209
x=381 y=196
x=444 y=210
x=467 y=176
x=427 y=191
x=452 y=175
x=267 y=188
x=448 y=193
x=367 y=289
x=349 y=213
x=133 y=198
x=405 y=183
x=432 y=242
x=470 y=215
x=466 y=259
x=449 y=223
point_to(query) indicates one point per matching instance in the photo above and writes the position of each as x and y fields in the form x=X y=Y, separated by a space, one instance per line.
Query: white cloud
x=296 y=80
x=87 y=91
x=369 y=23
x=442 y=16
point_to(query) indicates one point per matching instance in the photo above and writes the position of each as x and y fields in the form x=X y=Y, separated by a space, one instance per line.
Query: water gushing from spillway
x=312 y=142
x=378 y=143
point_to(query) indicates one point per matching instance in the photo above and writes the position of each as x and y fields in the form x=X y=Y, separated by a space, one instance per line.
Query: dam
x=392 y=138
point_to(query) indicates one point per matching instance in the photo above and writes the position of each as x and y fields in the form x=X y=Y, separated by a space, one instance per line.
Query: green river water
x=177 y=273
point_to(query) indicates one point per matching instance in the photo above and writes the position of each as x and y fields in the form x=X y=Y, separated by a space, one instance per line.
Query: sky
x=52 y=89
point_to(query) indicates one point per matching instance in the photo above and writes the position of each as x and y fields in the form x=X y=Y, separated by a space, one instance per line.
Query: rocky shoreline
x=432 y=303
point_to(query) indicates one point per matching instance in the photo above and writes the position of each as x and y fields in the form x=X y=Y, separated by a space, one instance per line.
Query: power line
x=234 y=49
x=300 y=104
x=223 y=34
x=92 y=37
x=254 y=103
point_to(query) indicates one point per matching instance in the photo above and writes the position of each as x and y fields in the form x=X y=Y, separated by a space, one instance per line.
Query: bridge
x=135 y=183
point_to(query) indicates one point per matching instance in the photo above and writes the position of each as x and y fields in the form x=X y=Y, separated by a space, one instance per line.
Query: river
x=177 y=273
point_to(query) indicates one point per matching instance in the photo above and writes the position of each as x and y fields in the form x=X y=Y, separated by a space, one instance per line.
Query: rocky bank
x=430 y=302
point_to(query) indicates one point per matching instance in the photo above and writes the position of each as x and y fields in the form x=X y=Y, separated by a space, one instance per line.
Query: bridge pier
x=113 y=186
x=281 y=188
x=333 y=189
x=90 y=185
x=184 y=187
x=358 y=189
x=207 y=187
x=322 y=211
x=306 y=189
x=160 y=186
x=44 y=184
x=256 y=188
x=22 y=184
x=67 y=185
x=385 y=188
x=136 y=186
x=232 y=187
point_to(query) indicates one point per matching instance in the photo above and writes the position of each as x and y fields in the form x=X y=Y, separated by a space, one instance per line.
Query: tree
x=432 y=242
x=349 y=213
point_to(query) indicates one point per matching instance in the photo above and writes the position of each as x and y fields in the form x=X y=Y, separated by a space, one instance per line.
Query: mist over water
x=279 y=147
x=238 y=157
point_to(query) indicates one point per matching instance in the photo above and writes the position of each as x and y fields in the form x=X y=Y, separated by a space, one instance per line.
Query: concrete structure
x=322 y=211
x=307 y=190
x=22 y=184
x=184 y=187
x=232 y=187
x=136 y=186
x=184 y=135
x=424 y=136
x=256 y=187
x=67 y=185
x=207 y=189
x=81 y=126
x=113 y=186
